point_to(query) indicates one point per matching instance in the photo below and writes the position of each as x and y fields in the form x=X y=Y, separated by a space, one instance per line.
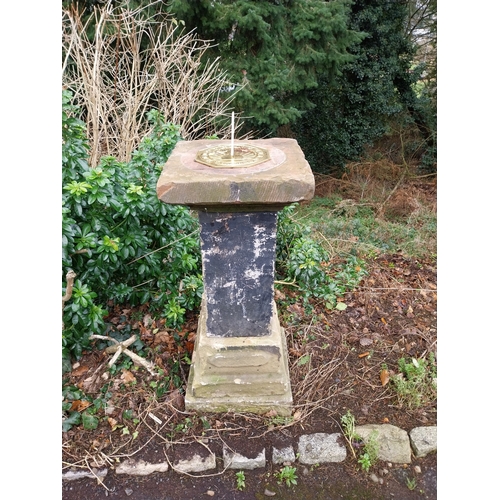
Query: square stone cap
x=284 y=178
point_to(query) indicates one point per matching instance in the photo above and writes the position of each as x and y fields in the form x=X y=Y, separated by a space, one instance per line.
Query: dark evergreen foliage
x=353 y=109
x=333 y=74
x=275 y=49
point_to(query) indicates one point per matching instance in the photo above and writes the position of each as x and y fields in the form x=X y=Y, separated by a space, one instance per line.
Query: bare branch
x=116 y=81
x=70 y=279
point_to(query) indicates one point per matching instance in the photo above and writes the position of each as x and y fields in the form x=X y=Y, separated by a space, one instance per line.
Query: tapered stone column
x=240 y=360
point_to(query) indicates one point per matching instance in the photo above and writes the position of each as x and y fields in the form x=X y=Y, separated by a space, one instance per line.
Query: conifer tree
x=354 y=109
x=274 y=49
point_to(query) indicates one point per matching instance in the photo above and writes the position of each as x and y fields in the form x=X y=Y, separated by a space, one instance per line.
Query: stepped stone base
x=239 y=374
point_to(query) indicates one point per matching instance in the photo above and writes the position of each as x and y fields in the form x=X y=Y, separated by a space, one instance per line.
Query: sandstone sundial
x=226 y=156
x=240 y=358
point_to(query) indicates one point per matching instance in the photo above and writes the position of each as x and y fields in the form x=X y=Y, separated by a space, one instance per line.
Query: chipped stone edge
x=140 y=468
x=233 y=460
x=196 y=463
x=73 y=475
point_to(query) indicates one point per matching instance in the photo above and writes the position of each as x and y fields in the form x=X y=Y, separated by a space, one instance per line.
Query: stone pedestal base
x=239 y=374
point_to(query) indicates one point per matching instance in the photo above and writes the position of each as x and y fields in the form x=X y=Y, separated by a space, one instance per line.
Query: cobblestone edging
x=395 y=446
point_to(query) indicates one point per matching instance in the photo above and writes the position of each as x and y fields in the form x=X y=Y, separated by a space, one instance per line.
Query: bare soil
x=336 y=358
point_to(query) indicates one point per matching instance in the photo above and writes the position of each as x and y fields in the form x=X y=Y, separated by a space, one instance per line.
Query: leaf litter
x=339 y=361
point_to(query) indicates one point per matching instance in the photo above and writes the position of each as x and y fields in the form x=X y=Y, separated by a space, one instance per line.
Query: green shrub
x=300 y=259
x=124 y=245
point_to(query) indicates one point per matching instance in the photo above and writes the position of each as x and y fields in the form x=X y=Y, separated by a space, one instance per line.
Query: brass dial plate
x=244 y=156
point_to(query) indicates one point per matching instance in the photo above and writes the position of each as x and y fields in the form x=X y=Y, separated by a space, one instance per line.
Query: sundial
x=229 y=156
x=238 y=187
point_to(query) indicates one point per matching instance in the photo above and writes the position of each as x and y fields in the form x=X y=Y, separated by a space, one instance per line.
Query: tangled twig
x=121 y=347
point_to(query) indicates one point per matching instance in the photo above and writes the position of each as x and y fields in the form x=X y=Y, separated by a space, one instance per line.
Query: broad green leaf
x=74 y=419
x=341 y=306
x=128 y=414
x=90 y=422
x=303 y=360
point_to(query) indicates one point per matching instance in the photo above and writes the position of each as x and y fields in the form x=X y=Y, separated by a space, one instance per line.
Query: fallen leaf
x=127 y=376
x=80 y=371
x=79 y=405
x=297 y=415
x=383 y=321
x=90 y=384
x=384 y=377
x=269 y=493
x=296 y=309
x=112 y=423
x=341 y=306
x=190 y=344
x=365 y=341
x=163 y=337
x=176 y=399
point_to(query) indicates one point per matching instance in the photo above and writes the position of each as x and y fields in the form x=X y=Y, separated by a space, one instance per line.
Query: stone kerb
x=312 y=449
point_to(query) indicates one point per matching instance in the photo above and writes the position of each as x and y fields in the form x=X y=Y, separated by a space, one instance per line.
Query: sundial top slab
x=262 y=174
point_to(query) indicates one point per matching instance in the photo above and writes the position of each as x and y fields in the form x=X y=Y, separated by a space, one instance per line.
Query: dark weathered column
x=240 y=360
x=238 y=251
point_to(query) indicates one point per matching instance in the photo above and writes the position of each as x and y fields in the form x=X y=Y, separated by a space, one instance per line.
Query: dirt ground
x=336 y=359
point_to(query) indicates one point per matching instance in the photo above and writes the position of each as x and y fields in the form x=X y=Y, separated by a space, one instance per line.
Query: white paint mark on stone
x=253 y=274
x=259 y=240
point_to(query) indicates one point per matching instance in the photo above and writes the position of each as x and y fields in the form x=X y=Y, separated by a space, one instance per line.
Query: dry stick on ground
x=100 y=482
x=114 y=454
x=156 y=433
x=121 y=347
x=305 y=390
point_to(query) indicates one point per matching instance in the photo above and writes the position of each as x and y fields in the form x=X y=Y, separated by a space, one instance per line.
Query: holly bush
x=124 y=245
